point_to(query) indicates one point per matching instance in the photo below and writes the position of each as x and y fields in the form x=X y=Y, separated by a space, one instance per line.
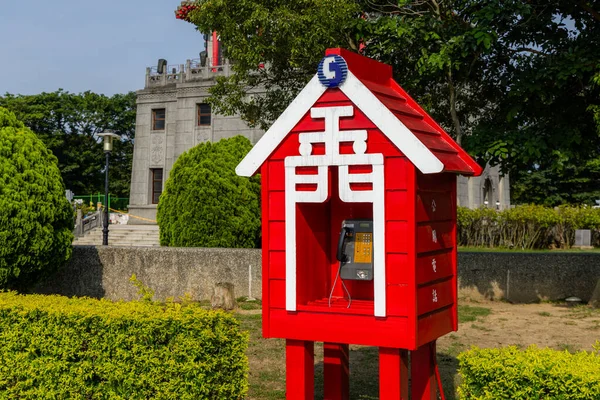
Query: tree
x=290 y=36
x=521 y=86
x=36 y=219
x=511 y=80
x=542 y=122
x=205 y=204
x=439 y=57
x=69 y=124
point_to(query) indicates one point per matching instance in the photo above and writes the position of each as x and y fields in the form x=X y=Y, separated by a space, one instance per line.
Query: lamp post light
x=108 y=137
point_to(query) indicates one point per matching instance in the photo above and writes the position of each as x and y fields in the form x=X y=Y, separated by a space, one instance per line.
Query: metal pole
x=105 y=224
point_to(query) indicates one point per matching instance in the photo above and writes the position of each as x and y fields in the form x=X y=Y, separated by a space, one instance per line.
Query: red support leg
x=423 y=383
x=299 y=370
x=336 y=371
x=393 y=374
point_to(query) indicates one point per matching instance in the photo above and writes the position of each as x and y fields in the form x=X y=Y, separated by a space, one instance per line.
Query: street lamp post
x=108 y=137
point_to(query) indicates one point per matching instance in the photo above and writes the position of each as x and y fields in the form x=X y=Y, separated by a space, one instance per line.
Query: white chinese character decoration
x=434 y=265
x=435 y=298
x=332 y=137
x=433 y=206
x=434 y=236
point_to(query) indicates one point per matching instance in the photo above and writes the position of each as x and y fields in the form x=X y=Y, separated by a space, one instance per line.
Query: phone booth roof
x=369 y=85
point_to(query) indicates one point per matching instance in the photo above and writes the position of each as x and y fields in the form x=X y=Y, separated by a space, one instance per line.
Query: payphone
x=355 y=250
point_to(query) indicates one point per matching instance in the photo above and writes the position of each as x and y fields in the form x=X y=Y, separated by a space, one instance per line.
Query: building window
x=488 y=193
x=157 y=182
x=158 y=119
x=204 y=115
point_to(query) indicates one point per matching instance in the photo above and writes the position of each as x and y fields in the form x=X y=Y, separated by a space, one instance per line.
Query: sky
x=101 y=46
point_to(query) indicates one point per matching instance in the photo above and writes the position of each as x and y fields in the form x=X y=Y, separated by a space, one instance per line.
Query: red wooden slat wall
x=416 y=265
x=436 y=256
x=318 y=226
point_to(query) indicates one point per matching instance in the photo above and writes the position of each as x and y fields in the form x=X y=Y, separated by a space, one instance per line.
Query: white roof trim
x=391 y=126
x=367 y=102
x=281 y=127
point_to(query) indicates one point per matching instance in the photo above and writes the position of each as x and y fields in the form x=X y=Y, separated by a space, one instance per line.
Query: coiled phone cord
x=343 y=285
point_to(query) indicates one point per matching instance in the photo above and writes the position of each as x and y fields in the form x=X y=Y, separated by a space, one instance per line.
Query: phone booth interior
x=319 y=228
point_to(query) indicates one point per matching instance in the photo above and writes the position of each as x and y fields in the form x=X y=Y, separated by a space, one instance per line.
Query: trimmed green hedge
x=526 y=226
x=59 y=348
x=509 y=373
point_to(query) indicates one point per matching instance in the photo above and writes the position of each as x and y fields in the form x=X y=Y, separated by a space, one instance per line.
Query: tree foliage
x=69 y=124
x=289 y=36
x=205 y=204
x=36 y=220
x=512 y=80
x=542 y=126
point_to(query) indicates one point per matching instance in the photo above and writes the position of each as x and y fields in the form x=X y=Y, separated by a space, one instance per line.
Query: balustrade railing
x=195 y=69
x=87 y=223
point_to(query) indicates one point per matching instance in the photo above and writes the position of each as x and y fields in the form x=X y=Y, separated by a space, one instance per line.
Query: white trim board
x=281 y=127
x=391 y=126
x=367 y=102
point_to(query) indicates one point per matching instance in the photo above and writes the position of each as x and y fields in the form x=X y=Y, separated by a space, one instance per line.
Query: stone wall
x=528 y=277
x=104 y=271
x=173 y=272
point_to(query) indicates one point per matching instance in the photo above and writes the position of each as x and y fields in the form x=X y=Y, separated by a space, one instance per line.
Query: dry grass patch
x=483 y=324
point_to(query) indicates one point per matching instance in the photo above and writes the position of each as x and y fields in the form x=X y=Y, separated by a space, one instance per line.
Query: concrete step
x=133 y=227
x=122 y=244
x=122 y=235
x=113 y=238
x=119 y=244
x=115 y=235
x=124 y=239
x=115 y=228
x=122 y=232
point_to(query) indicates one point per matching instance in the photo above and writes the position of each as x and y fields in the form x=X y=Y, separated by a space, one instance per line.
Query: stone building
x=491 y=190
x=173 y=116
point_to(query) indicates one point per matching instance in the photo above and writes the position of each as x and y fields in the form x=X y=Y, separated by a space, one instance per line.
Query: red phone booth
x=359 y=228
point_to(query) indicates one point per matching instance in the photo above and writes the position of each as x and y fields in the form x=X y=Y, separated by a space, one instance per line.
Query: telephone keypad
x=363 y=247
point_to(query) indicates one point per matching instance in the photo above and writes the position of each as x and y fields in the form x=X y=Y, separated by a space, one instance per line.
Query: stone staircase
x=122 y=235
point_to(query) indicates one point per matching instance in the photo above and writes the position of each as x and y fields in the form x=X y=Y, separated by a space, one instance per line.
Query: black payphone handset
x=355 y=253
x=344 y=233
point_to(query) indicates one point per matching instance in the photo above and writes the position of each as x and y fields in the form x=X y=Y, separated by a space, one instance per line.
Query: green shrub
x=526 y=226
x=59 y=348
x=205 y=204
x=36 y=220
x=529 y=226
x=478 y=227
x=510 y=373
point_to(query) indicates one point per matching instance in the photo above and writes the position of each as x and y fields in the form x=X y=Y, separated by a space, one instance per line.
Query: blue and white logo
x=332 y=71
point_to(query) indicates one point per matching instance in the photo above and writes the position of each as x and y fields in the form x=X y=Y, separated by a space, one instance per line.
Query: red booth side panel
x=436 y=256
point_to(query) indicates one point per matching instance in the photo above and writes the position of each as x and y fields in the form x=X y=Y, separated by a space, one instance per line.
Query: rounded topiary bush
x=205 y=204
x=36 y=220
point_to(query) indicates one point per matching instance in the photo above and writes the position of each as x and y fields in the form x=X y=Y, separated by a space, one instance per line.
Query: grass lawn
x=485 y=324
x=267 y=360
x=267 y=365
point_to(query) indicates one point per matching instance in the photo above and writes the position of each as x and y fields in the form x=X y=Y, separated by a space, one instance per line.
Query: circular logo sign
x=332 y=71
